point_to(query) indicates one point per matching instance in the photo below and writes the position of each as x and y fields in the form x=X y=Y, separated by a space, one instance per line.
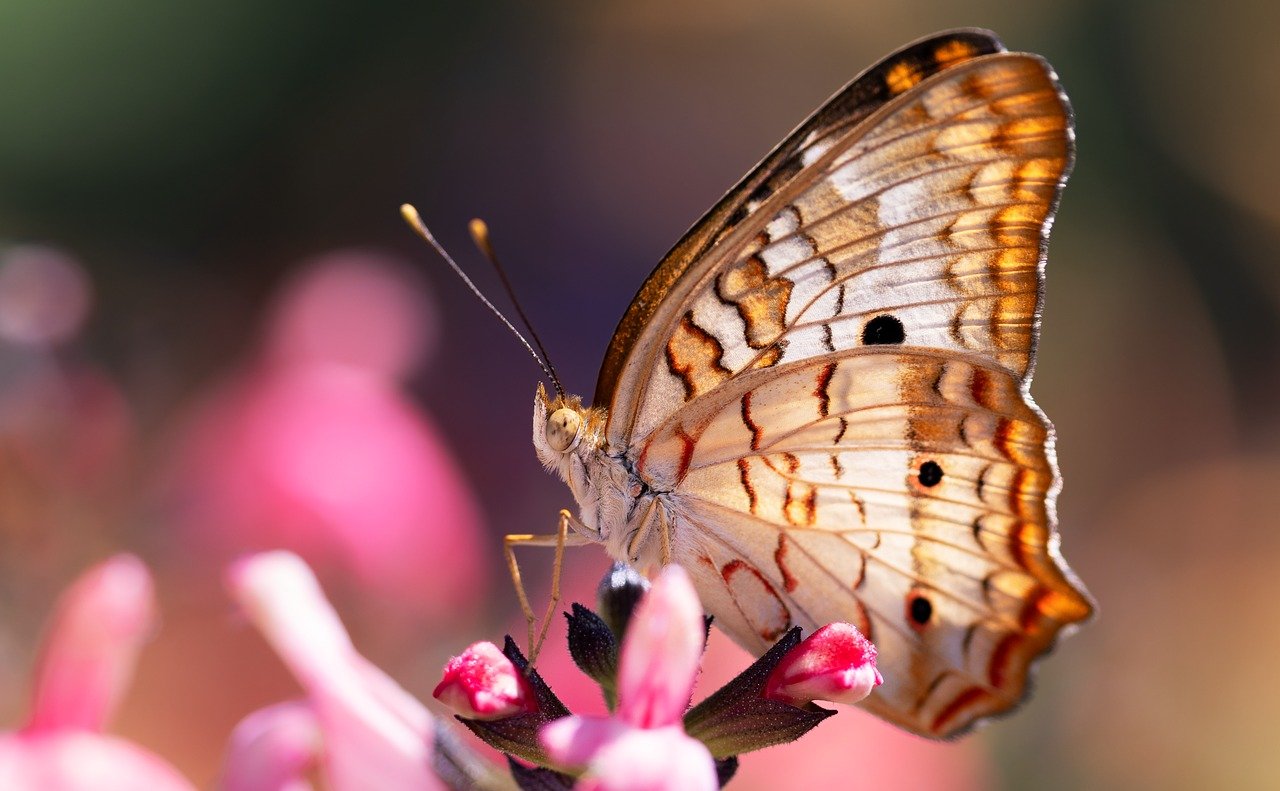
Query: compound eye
x=562 y=429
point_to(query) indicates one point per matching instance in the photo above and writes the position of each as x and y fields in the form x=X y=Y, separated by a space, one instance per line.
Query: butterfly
x=818 y=403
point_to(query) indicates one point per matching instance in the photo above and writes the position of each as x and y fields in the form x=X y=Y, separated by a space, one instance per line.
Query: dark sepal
x=518 y=735
x=726 y=768
x=537 y=778
x=594 y=649
x=737 y=718
x=618 y=593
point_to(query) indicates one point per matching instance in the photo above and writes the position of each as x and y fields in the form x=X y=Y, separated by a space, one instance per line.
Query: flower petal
x=272 y=749
x=660 y=652
x=372 y=739
x=573 y=741
x=660 y=759
x=91 y=646
x=81 y=761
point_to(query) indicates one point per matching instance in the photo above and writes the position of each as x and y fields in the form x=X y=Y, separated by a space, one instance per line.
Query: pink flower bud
x=835 y=663
x=482 y=684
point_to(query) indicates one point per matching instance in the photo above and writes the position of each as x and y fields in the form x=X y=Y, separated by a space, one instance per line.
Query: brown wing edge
x=856 y=100
x=1053 y=549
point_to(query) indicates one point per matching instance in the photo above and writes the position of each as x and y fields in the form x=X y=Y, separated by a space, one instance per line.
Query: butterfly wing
x=871 y=296
x=901 y=490
x=702 y=245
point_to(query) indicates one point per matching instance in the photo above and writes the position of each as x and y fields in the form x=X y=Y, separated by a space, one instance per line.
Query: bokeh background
x=216 y=334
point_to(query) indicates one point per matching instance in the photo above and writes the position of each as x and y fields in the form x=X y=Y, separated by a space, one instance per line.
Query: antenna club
x=480 y=237
x=411 y=216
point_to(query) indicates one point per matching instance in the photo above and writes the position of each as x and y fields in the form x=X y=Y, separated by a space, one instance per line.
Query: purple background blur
x=185 y=162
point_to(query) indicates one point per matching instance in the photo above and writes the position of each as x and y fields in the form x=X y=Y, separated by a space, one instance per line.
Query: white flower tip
x=249 y=577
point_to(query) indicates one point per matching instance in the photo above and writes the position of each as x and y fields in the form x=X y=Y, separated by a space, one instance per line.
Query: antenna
x=410 y=215
x=480 y=235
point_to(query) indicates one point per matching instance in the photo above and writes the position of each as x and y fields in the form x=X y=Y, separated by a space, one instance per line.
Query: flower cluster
x=355 y=728
x=643 y=649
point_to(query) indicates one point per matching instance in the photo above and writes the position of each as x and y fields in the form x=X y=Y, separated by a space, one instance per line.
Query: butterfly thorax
x=615 y=503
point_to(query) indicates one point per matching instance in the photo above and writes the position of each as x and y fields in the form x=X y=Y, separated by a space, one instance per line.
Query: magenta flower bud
x=835 y=663
x=482 y=684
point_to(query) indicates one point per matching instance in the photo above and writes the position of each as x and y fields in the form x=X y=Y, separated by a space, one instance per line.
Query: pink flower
x=45 y=296
x=643 y=747
x=88 y=656
x=314 y=446
x=274 y=748
x=357 y=724
x=835 y=663
x=67 y=433
x=482 y=684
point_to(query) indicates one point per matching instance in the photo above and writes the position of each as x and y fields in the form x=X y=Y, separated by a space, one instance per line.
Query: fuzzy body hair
x=614 y=504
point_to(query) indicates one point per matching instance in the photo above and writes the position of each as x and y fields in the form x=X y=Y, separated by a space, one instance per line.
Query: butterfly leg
x=560 y=539
x=646 y=524
x=665 y=535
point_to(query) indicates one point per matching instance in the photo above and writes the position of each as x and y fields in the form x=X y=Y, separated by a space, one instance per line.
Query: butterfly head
x=564 y=430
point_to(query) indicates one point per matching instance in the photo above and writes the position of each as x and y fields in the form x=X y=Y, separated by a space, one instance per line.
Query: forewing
x=922 y=225
x=741 y=206
x=897 y=489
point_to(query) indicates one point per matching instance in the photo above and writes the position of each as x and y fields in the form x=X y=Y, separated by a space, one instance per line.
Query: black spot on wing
x=883 y=330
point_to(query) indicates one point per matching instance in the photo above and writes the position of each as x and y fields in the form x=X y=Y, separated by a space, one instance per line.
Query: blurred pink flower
x=355 y=309
x=643 y=747
x=45 y=295
x=482 y=684
x=88 y=656
x=66 y=431
x=357 y=724
x=835 y=663
x=315 y=448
